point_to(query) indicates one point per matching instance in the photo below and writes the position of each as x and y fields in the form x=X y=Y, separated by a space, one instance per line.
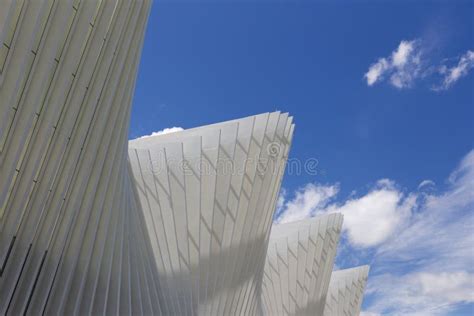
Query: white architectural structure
x=300 y=259
x=175 y=224
x=71 y=236
x=346 y=291
x=208 y=196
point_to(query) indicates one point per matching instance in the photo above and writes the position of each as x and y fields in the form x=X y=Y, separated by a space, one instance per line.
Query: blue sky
x=382 y=95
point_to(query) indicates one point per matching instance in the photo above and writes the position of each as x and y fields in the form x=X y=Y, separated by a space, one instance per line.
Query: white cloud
x=410 y=62
x=426 y=184
x=376 y=71
x=453 y=74
x=441 y=220
x=164 y=131
x=447 y=287
x=419 y=244
x=401 y=56
x=280 y=202
x=371 y=219
x=308 y=201
x=385 y=183
x=427 y=267
x=419 y=293
x=402 y=67
x=383 y=209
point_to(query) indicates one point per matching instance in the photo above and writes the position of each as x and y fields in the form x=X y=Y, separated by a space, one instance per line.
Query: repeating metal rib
x=71 y=237
x=346 y=292
x=299 y=262
x=208 y=195
x=176 y=224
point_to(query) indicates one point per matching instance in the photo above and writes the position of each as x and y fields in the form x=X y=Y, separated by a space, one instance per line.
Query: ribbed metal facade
x=70 y=235
x=346 y=291
x=176 y=224
x=208 y=196
x=299 y=263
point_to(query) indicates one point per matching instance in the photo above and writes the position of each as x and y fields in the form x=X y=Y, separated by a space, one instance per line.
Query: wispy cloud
x=401 y=68
x=419 y=293
x=306 y=203
x=377 y=71
x=419 y=243
x=453 y=74
x=164 y=131
x=410 y=62
x=427 y=268
x=426 y=184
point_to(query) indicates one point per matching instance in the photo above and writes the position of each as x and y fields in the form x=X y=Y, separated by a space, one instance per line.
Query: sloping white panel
x=71 y=237
x=346 y=291
x=299 y=263
x=176 y=224
x=208 y=196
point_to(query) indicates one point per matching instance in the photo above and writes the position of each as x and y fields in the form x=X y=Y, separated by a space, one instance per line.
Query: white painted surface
x=171 y=224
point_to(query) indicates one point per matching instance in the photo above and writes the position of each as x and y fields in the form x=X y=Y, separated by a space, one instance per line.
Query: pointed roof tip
x=282 y=230
x=311 y=219
x=201 y=128
x=363 y=268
